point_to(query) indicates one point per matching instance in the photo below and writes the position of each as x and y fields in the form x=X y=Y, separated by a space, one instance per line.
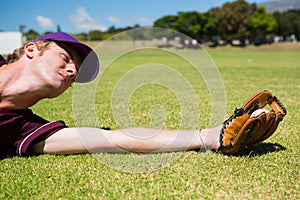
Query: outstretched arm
x=85 y=140
x=247 y=126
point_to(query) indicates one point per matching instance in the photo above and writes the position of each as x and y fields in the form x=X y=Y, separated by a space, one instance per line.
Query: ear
x=31 y=50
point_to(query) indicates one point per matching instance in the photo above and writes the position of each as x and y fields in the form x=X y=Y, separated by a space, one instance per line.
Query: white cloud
x=131 y=21
x=142 y=20
x=44 y=22
x=114 y=19
x=82 y=20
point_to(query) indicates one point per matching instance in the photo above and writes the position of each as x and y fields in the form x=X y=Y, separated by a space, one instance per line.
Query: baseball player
x=47 y=66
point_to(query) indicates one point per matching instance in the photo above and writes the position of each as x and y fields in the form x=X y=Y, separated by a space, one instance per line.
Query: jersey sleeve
x=20 y=129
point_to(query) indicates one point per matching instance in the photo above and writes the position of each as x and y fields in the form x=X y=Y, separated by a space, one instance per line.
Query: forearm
x=155 y=140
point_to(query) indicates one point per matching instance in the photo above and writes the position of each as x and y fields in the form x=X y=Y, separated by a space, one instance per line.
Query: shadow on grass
x=260 y=149
x=252 y=151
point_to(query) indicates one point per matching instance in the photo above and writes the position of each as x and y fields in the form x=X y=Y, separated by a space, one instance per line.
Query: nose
x=71 y=70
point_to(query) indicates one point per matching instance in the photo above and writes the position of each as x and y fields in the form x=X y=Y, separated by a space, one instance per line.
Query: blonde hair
x=18 y=53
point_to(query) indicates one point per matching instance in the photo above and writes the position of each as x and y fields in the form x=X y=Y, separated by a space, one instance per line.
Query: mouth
x=63 y=76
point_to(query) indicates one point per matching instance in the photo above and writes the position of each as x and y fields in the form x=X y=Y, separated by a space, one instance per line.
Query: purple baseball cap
x=90 y=64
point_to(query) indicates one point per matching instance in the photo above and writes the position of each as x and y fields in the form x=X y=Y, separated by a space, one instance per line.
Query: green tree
x=31 y=34
x=189 y=23
x=112 y=30
x=166 y=22
x=234 y=19
x=262 y=24
x=288 y=23
x=95 y=35
x=80 y=36
x=195 y=25
x=210 y=28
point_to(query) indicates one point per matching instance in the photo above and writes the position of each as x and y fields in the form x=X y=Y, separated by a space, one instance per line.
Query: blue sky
x=76 y=16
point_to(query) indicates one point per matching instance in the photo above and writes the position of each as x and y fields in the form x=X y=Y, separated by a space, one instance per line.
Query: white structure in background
x=10 y=41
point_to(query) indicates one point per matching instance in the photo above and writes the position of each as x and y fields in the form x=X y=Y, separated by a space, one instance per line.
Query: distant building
x=10 y=41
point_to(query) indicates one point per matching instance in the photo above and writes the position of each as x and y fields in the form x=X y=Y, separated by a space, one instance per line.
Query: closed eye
x=65 y=57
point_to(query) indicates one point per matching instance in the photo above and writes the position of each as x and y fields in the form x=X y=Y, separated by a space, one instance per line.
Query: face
x=58 y=66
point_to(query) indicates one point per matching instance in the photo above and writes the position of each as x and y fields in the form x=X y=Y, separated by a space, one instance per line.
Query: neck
x=18 y=90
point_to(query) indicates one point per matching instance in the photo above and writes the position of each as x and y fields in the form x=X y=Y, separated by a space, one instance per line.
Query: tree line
x=237 y=20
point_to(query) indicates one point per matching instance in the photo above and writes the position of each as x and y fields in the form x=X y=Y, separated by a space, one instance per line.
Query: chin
x=56 y=94
x=57 y=90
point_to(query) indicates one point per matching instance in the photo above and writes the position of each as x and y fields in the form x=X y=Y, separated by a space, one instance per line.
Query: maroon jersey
x=2 y=61
x=19 y=129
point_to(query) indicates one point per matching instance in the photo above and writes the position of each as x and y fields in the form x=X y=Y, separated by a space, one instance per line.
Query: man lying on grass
x=47 y=66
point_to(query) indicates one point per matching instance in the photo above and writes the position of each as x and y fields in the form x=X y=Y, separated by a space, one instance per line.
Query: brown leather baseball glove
x=242 y=129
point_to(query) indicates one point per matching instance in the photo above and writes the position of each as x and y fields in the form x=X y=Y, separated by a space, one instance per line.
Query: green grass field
x=269 y=170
